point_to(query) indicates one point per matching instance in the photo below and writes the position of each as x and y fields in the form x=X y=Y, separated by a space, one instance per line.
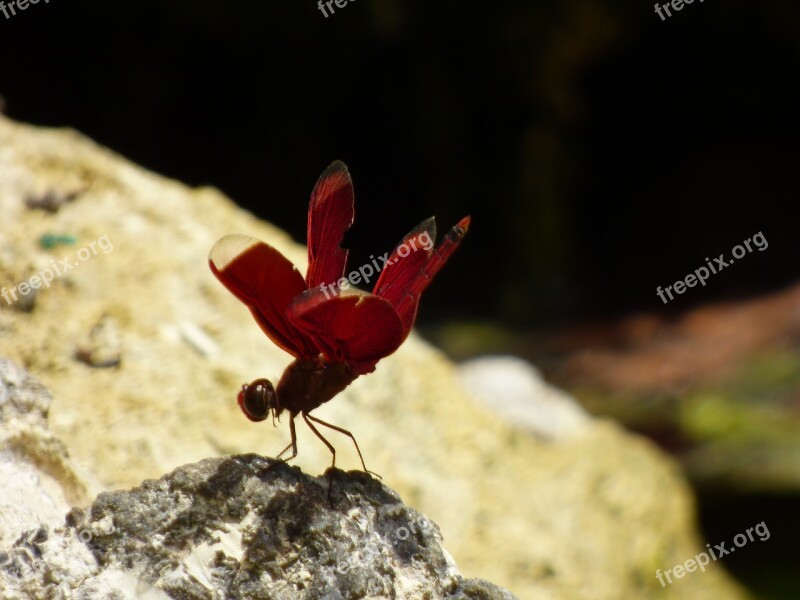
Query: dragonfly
x=335 y=331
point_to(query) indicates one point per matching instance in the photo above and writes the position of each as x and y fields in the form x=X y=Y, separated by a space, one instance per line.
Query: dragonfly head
x=258 y=399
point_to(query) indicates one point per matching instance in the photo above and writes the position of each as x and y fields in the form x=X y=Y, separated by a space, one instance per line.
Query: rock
x=514 y=389
x=591 y=515
x=102 y=347
x=39 y=482
x=241 y=527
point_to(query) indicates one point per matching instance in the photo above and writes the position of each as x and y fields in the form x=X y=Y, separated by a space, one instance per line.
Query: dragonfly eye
x=257 y=399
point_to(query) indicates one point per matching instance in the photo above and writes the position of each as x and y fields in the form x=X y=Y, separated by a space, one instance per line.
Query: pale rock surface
x=513 y=389
x=588 y=516
x=38 y=482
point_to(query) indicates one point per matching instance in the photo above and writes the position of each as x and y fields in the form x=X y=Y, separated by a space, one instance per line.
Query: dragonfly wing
x=330 y=215
x=353 y=327
x=266 y=282
x=404 y=279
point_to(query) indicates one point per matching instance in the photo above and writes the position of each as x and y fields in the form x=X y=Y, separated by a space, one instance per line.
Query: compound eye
x=257 y=399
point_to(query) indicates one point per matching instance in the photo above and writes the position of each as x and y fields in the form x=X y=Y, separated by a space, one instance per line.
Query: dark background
x=600 y=151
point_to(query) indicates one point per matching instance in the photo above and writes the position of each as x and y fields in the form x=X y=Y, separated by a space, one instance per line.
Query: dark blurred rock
x=647 y=354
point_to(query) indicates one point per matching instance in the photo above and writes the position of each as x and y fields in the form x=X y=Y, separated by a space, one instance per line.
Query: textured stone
x=38 y=482
x=241 y=527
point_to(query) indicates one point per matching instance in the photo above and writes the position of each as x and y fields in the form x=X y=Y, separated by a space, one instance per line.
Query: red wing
x=266 y=282
x=330 y=214
x=353 y=327
x=417 y=246
x=403 y=281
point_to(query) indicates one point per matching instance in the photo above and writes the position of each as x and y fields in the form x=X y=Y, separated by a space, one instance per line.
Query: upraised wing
x=266 y=282
x=405 y=278
x=330 y=215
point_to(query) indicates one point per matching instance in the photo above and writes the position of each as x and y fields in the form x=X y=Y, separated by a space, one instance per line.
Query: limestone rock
x=39 y=482
x=515 y=390
x=588 y=516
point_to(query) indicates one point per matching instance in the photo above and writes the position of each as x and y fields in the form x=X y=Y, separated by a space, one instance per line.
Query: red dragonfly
x=334 y=332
